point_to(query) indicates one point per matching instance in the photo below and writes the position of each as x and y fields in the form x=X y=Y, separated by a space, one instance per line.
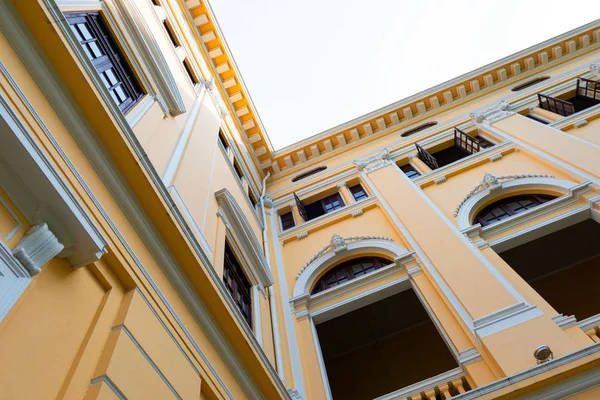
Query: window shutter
x=301 y=208
x=427 y=158
x=588 y=88
x=465 y=142
x=557 y=106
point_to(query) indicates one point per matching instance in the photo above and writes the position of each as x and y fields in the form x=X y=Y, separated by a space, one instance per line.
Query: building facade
x=153 y=244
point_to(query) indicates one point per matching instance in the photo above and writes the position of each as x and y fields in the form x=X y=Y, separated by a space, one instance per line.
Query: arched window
x=349 y=270
x=509 y=206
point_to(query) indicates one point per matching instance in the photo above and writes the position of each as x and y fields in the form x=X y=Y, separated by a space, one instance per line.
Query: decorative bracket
x=374 y=162
x=492 y=114
x=38 y=246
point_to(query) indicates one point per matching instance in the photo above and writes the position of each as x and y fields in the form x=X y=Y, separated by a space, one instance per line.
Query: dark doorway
x=563 y=267
x=381 y=348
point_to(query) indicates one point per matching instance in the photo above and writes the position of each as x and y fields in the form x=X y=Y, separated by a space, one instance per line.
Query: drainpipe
x=274 y=325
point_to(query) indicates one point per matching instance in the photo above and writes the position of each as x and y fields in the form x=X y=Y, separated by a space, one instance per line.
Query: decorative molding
x=414 y=391
x=134 y=116
x=215 y=95
x=496 y=157
x=341 y=185
x=581 y=123
x=152 y=60
x=469 y=356
x=589 y=323
x=374 y=162
x=440 y=180
x=242 y=232
x=294 y=394
x=492 y=114
x=302 y=235
x=492 y=183
x=357 y=213
x=338 y=244
x=505 y=318
x=565 y=321
x=595 y=68
x=38 y=246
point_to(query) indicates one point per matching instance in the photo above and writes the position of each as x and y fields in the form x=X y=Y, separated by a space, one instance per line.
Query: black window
x=323 y=206
x=309 y=173
x=287 y=220
x=509 y=206
x=190 y=71
x=94 y=36
x=419 y=129
x=252 y=198
x=238 y=169
x=483 y=142
x=171 y=33
x=237 y=284
x=538 y=119
x=358 y=192
x=349 y=270
x=223 y=140
x=410 y=171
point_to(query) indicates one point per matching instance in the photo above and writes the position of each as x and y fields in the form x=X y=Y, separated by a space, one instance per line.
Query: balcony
x=586 y=95
x=440 y=387
x=463 y=146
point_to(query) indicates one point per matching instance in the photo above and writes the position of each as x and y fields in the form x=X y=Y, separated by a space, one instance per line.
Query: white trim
x=37 y=247
x=64 y=105
x=147 y=51
x=13 y=214
x=415 y=389
x=322 y=368
x=565 y=321
x=537 y=370
x=240 y=230
x=190 y=220
x=256 y=318
x=307 y=276
x=434 y=273
x=21 y=279
x=589 y=323
x=468 y=209
x=506 y=318
x=134 y=116
x=179 y=150
x=295 y=362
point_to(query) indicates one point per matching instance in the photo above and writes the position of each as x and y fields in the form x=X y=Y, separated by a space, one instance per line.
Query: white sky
x=312 y=64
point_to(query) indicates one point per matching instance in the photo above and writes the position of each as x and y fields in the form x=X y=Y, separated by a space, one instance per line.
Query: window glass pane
x=85 y=33
x=95 y=50
x=112 y=78
x=120 y=93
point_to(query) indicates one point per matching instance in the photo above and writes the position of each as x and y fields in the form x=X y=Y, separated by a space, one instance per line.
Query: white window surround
x=139 y=46
x=34 y=185
x=14 y=279
x=242 y=236
x=476 y=202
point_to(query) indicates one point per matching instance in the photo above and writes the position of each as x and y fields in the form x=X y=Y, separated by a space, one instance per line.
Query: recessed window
x=587 y=94
x=410 y=171
x=464 y=145
x=287 y=220
x=171 y=33
x=223 y=140
x=419 y=128
x=320 y=207
x=510 y=206
x=358 y=192
x=529 y=83
x=309 y=173
x=349 y=270
x=190 y=71
x=238 y=169
x=116 y=75
x=237 y=284
x=252 y=198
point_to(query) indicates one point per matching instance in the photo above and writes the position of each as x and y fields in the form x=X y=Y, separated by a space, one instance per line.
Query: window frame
x=356 y=192
x=233 y=268
x=113 y=57
x=346 y=269
x=503 y=204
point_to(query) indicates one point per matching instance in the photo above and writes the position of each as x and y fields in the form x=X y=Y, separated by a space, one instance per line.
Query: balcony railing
x=440 y=387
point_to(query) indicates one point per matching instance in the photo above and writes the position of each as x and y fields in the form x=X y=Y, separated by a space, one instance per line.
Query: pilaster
x=345 y=193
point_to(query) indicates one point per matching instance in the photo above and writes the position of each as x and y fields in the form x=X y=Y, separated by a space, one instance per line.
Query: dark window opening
x=238 y=169
x=510 y=206
x=190 y=71
x=252 y=198
x=538 y=119
x=320 y=207
x=116 y=75
x=419 y=129
x=358 y=192
x=383 y=347
x=237 y=284
x=287 y=221
x=171 y=33
x=410 y=171
x=464 y=145
x=309 y=173
x=587 y=94
x=529 y=83
x=483 y=142
x=222 y=140
x=563 y=267
x=349 y=270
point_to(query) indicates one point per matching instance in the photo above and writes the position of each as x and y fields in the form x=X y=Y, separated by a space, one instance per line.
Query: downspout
x=274 y=325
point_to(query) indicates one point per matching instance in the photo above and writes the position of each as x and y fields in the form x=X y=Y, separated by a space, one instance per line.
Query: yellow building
x=154 y=245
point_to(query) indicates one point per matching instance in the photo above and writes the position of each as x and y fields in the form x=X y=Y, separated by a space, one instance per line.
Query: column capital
x=492 y=114
x=342 y=185
x=38 y=246
x=595 y=68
